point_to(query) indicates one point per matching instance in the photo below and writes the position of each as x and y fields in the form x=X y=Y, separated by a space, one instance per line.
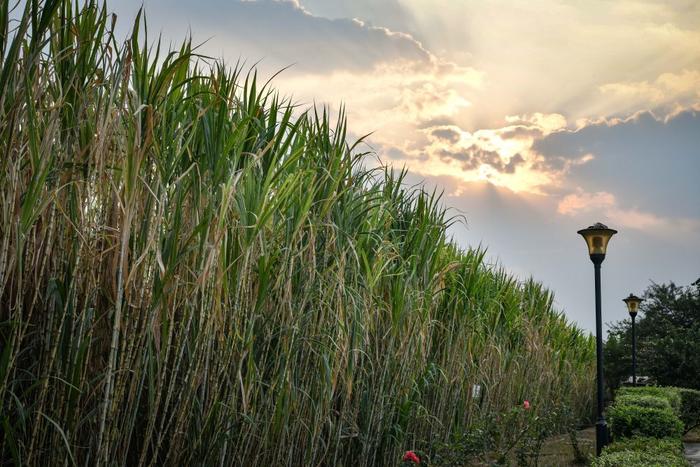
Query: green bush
x=690 y=407
x=633 y=420
x=639 y=459
x=646 y=426
x=644 y=401
x=670 y=394
x=646 y=444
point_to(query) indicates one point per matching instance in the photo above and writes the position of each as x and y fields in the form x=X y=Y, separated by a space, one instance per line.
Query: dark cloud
x=521 y=131
x=447 y=134
x=437 y=121
x=473 y=157
x=279 y=33
x=388 y=13
x=513 y=163
x=648 y=163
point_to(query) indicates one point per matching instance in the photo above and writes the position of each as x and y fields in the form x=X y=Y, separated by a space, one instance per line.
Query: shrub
x=639 y=459
x=538 y=428
x=690 y=407
x=644 y=401
x=465 y=447
x=646 y=444
x=634 y=420
x=670 y=394
x=646 y=425
x=517 y=434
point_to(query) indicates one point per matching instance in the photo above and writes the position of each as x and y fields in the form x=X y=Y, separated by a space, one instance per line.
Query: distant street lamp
x=633 y=306
x=597 y=237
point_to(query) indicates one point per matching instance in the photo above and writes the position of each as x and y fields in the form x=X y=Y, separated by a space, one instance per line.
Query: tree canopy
x=668 y=338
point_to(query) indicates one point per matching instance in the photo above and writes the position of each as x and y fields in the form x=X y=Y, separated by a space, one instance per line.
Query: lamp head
x=597 y=237
x=632 y=303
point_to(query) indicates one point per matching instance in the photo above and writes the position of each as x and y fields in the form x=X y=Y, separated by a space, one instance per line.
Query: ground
x=692 y=446
x=693 y=436
x=557 y=451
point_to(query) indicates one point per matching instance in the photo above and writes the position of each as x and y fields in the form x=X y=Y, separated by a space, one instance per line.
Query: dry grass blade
x=194 y=272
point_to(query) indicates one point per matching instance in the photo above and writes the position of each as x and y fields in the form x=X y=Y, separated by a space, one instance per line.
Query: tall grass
x=194 y=272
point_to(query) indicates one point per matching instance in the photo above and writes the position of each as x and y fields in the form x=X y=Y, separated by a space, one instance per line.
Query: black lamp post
x=597 y=237
x=633 y=306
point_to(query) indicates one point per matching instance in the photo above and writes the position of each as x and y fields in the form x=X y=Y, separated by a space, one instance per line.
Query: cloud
x=544 y=123
x=501 y=156
x=447 y=134
x=585 y=202
x=553 y=56
x=647 y=160
x=281 y=33
x=388 y=13
x=396 y=101
x=604 y=205
x=668 y=90
x=440 y=117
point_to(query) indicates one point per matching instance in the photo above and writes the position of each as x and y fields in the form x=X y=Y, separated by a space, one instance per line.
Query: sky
x=535 y=119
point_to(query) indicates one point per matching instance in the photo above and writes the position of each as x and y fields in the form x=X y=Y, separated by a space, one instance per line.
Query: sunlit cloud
x=584 y=204
x=553 y=57
x=400 y=102
x=502 y=156
x=546 y=123
x=581 y=201
x=669 y=90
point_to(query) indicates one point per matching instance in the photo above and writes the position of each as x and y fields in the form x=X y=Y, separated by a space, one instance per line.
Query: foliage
x=633 y=420
x=639 y=459
x=518 y=433
x=646 y=444
x=668 y=338
x=644 y=451
x=668 y=394
x=686 y=402
x=643 y=401
x=538 y=429
x=646 y=428
x=690 y=408
x=195 y=271
x=466 y=446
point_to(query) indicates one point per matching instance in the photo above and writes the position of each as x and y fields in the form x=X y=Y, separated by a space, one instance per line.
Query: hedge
x=685 y=401
x=671 y=394
x=643 y=401
x=690 y=407
x=639 y=459
x=643 y=451
x=646 y=444
x=645 y=424
x=634 y=420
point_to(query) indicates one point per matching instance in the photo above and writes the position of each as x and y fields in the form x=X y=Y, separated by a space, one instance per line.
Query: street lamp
x=597 y=237
x=632 y=306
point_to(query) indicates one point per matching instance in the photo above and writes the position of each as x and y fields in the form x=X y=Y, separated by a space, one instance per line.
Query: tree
x=668 y=338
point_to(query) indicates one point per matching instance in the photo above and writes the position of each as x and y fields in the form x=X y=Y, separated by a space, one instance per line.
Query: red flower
x=526 y=405
x=411 y=456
